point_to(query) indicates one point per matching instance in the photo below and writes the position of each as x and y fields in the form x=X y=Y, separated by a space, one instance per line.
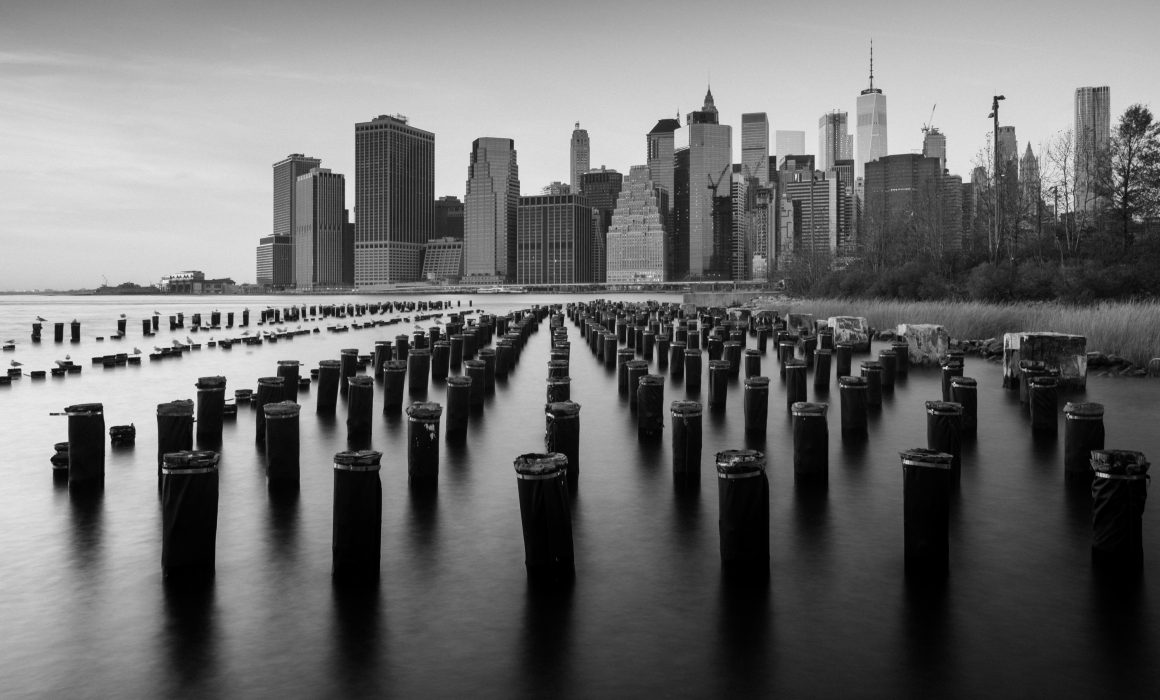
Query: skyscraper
x=286 y=172
x=1029 y=179
x=834 y=140
x=601 y=190
x=449 y=217
x=553 y=240
x=661 y=154
x=578 y=157
x=788 y=143
x=710 y=163
x=320 y=258
x=1093 y=133
x=934 y=145
x=394 y=184
x=755 y=146
x=871 y=127
x=493 y=195
x=636 y=236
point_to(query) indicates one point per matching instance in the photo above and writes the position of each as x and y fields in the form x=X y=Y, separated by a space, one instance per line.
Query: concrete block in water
x=1062 y=351
x=851 y=329
x=927 y=341
x=800 y=324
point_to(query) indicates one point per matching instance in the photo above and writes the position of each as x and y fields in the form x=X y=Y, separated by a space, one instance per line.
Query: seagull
x=68 y=357
x=136 y=350
x=157 y=348
x=122 y=316
x=14 y=363
x=42 y=319
x=189 y=340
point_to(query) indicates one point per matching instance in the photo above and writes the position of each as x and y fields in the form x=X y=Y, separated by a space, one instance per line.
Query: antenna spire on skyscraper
x=872 y=64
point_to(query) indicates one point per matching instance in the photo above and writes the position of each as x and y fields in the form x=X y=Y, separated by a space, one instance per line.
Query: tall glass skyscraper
x=755 y=146
x=394 y=184
x=320 y=257
x=710 y=165
x=1093 y=134
x=834 y=140
x=286 y=173
x=661 y=143
x=871 y=127
x=489 y=212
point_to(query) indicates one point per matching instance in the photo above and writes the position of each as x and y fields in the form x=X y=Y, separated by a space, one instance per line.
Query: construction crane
x=929 y=125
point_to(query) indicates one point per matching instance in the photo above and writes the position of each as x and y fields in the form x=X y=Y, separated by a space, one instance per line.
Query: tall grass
x=1130 y=329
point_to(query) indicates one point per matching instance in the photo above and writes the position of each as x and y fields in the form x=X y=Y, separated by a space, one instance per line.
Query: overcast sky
x=137 y=136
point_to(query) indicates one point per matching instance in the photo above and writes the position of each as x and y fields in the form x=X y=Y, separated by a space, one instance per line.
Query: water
x=85 y=614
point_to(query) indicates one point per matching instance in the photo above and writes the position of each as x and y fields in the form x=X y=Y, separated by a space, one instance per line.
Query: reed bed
x=1130 y=329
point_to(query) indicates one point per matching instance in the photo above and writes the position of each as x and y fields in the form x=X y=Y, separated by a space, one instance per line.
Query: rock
x=994 y=347
x=1067 y=353
x=928 y=342
x=1154 y=367
x=851 y=329
x=1097 y=359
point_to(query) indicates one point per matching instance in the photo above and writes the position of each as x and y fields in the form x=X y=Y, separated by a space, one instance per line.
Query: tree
x=1134 y=174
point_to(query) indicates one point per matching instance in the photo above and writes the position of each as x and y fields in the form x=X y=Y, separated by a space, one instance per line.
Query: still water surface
x=84 y=612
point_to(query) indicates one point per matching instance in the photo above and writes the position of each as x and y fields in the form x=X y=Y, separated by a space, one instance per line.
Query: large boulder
x=928 y=342
x=1062 y=351
x=851 y=329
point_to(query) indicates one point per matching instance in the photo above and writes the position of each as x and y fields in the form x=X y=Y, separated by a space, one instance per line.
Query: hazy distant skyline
x=138 y=137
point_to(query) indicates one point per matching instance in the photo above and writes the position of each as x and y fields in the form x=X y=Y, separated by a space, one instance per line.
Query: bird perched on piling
x=42 y=319
x=136 y=350
x=14 y=363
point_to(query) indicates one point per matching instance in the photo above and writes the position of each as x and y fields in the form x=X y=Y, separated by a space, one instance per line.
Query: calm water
x=84 y=612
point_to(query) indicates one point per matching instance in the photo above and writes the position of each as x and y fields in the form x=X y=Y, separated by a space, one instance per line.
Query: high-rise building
x=275 y=261
x=320 y=258
x=661 y=154
x=834 y=140
x=579 y=156
x=1029 y=178
x=741 y=244
x=755 y=146
x=907 y=193
x=449 y=217
x=871 y=127
x=934 y=145
x=394 y=184
x=1093 y=134
x=286 y=172
x=788 y=143
x=443 y=260
x=493 y=196
x=601 y=190
x=678 y=251
x=710 y=165
x=809 y=223
x=553 y=240
x=1008 y=163
x=636 y=235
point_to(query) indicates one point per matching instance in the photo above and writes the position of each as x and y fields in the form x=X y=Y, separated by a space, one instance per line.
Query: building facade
x=275 y=262
x=553 y=240
x=579 y=157
x=871 y=125
x=320 y=221
x=493 y=196
x=286 y=174
x=394 y=200
x=834 y=140
x=710 y=167
x=661 y=154
x=443 y=260
x=934 y=145
x=1093 y=136
x=636 y=235
x=449 y=217
x=786 y=143
x=755 y=146
x=910 y=202
x=601 y=190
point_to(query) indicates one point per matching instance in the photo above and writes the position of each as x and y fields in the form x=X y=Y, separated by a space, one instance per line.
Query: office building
x=788 y=143
x=449 y=217
x=394 y=183
x=755 y=146
x=710 y=166
x=1029 y=183
x=871 y=125
x=443 y=260
x=1093 y=136
x=636 y=234
x=934 y=145
x=661 y=156
x=493 y=195
x=286 y=173
x=678 y=250
x=907 y=195
x=553 y=240
x=275 y=262
x=320 y=256
x=834 y=140
x=601 y=190
x=579 y=156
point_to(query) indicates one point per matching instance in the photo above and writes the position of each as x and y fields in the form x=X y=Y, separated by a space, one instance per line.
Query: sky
x=137 y=136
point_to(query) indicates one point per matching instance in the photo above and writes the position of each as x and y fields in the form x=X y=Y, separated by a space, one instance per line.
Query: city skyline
x=130 y=131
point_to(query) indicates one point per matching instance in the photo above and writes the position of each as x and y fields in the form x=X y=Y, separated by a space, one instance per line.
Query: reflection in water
x=190 y=635
x=88 y=514
x=924 y=622
x=743 y=662
x=283 y=535
x=424 y=525
x=1117 y=640
x=357 y=633
x=547 y=639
